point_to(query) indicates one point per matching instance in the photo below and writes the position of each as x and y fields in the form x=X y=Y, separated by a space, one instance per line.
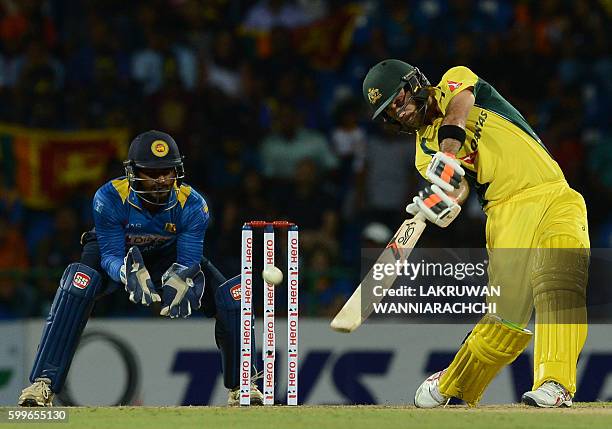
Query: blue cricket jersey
x=121 y=222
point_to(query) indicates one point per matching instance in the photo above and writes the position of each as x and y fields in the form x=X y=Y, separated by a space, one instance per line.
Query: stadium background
x=230 y=80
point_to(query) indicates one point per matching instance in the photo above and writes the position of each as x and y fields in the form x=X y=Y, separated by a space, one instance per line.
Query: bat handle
x=419 y=216
x=213 y=270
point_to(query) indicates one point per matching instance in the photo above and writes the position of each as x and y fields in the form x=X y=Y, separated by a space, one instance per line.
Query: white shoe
x=549 y=395
x=39 y=394
x=428 y=394
x=233 y=396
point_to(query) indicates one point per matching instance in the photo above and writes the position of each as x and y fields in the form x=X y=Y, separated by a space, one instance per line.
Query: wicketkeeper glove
x=437 y=207
x=445 y=171
x=137 y=280
x=182 y=290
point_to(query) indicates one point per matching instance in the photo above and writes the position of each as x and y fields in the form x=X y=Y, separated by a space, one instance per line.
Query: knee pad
x=560 y=266
x=227 y=331
x=71 y=308
x=559 y=294
x=492 y=344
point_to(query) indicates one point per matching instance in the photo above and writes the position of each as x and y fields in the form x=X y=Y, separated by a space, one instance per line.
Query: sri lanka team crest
x=159 y=148
x=374 y=95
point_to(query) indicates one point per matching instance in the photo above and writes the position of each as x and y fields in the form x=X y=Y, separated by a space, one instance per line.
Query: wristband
x=451 y=132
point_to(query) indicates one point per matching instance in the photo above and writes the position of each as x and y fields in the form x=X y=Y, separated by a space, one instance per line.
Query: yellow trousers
x=538 y=245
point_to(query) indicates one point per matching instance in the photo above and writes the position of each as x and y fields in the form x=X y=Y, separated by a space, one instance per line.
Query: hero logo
x=81 y=280
x=235 y=292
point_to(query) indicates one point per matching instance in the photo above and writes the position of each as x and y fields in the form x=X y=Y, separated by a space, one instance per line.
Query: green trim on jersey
x=479 y=188
x=488 y=98
x=425 y=149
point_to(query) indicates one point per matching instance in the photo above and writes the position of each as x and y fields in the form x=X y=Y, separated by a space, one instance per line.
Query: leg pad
x=71 y=308
x=227 y=331
x=492 y=344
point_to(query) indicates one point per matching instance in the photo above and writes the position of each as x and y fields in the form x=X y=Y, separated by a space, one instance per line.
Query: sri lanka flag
x=48 y=167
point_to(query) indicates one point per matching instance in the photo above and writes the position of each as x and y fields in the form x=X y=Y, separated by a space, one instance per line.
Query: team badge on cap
x=159 y=148
x=374 y=95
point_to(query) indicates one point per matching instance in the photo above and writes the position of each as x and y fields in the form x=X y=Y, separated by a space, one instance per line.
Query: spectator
x=266 y=14
x=290 y=142
x=160 y=57
x=387 y=187
x=13 y=266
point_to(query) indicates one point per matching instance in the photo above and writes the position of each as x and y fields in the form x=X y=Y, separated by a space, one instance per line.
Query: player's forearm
x=190 y=246
x=112 y=266
x=456 y=115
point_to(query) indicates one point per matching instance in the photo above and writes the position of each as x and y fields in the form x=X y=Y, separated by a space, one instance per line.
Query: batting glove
x=445 y=171
x=137 y=280
x=435 y=205
x=182 y=290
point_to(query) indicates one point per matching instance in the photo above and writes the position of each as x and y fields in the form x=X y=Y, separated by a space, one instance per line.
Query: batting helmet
x=386 y=79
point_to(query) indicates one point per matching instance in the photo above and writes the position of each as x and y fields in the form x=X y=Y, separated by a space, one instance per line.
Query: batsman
x=148 y=239
x=469 y=137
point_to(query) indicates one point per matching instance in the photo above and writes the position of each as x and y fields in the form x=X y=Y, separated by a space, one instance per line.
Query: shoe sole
x=424 y=407
x=30 y=403
x=527 y=400
x=254 y=401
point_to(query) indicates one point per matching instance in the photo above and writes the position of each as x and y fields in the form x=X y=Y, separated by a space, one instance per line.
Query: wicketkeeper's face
x=157 y=182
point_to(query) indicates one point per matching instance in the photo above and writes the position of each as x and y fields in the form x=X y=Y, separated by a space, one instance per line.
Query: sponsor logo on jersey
x=452 y=85
x=482 y=118
x=170 y=227
x=470 y=158
x=374 y=95
x=159 y=148
x=235 y=292
x=80 y=280
x=147 y=242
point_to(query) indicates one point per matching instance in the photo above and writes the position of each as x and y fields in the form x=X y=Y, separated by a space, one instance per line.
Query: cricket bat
x=355 y=312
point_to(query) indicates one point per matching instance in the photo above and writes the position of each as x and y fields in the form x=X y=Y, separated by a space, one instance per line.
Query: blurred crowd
x=264 y=99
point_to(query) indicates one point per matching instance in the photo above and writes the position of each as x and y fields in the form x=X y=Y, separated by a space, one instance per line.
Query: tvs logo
x=159 y=148
x=235 y=292
x=452 y=85
x=80 y=280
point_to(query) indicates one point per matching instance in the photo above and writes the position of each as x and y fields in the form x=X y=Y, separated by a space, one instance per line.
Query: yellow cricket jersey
x=502 y=155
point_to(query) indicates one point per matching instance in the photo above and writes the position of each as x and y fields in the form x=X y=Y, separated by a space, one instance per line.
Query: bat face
x=360 y=304
x=402 y=237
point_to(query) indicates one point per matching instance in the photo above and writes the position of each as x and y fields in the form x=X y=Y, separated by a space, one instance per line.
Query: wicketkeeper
x=469 y=136
x=148 y=239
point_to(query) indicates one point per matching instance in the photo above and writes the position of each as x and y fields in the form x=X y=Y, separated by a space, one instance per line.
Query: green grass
x=591 y=416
